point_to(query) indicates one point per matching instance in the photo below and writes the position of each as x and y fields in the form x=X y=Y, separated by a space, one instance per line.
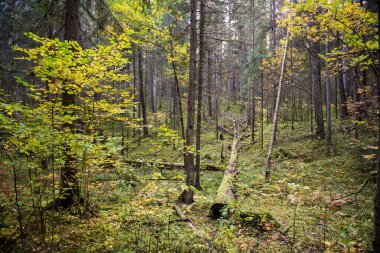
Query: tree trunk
x=141 y=91
x=229 y=58
x=376 y=242
x=273 y=47
x=343 y=98
x=187 y=196
x=218 y=70
x=262 y=108
x=179 y=99
x=153 y=82
x=209 y=78
x=357 y=106
x=197 y=182
x=252 y=6
x=276 y=111
x=311 y=95
x=336 y=96
x=226 y=193
x=69 y=173
x=320 y=131
x=328 y=106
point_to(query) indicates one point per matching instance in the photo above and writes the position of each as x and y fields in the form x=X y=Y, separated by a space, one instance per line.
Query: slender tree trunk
x=292 y=99
x=311 y=95
x=187 y=196
x=230 y=66
x=273 y=47
x=276 y=111
x=343 y=98
x=152 y=82
x=357 y=106
x=318 y=93
x=300 y=101
x=69 y=173
x=179 y=99
x=376 y=242
x=197 y=183
x=336 y=97
x=252 y=6
x=209 y=79
x=262 y=108
x=174 y=107
x=142 y=96
x=218 y=70
x=328 y=106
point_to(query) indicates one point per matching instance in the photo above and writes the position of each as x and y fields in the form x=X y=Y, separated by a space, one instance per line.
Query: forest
x=189 y=126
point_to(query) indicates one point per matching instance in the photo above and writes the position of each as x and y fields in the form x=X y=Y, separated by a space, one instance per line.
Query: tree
x=328 y=107
x=188 y=195
x=252 y=8
x=376 y=241
x=202 y=55
x=276 y=111
x=141 y=93
x=316 y=66
x=69 y=177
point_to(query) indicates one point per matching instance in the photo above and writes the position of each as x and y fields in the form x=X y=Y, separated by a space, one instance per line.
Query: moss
x=261 y=221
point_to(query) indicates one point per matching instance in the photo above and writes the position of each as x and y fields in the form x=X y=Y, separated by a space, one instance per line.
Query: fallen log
x=220 y=127
x=172 y=166
x=226 y=192
x=191 y=225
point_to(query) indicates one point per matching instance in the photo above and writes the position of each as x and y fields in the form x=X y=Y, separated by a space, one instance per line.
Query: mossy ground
x=133 y=207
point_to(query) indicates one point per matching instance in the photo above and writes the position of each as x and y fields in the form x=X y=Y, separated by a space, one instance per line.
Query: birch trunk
x=276 y=111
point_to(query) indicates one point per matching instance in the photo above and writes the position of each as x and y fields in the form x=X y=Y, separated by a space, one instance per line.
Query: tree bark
x=252 y=6
x=179 y=99
x=320 y=131
x=69 y=173
x=187 y=196
x=262 y=109
x=218 y=71
x=230 y=70
x=141 y=94
x=197 y=182
x=376 y=242
x=357 y=105
x=273 y=47
x=311 y=95
x=343 y=98
x=153 y=82
x=328 y=106
x=276 y=111
x=209 y=78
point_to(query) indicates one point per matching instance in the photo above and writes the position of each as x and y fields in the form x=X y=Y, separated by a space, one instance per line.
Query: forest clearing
x=189 y=126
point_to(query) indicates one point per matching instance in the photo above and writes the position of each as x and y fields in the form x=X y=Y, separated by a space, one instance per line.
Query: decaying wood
x=184 y=218
x=181 y=215
x=220 y=127
x=172 y=166
x=226 y=192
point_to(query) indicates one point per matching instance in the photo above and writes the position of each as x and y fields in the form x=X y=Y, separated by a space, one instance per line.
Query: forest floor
x=320 y=203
